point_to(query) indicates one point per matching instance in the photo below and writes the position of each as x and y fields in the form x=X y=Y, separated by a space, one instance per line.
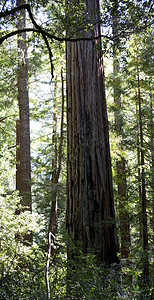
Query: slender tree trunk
x=56 y=162
x=56 y=168
x=139 y=190
x=120 y=164
x=18 y=155
x=123 y=213
x=90 y=206
x=54 y=179
x=139 y=173
x=152 y=156
x=143 y=188
x=121 y=168
x=24 y=178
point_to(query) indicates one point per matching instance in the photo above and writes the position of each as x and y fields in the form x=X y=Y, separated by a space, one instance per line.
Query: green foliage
x=25 y=278
x=87 y=280
x=22 y=268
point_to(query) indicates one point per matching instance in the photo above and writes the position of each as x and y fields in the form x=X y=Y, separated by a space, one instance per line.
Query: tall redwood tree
x=90 y=205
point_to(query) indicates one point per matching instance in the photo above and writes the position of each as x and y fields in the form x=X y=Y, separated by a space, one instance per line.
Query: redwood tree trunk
x=24 y=179
x=90 y=207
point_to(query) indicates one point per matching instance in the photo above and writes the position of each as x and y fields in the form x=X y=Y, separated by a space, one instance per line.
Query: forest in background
x=40 y=257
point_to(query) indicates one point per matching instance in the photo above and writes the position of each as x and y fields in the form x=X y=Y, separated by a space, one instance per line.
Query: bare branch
x=51 y=36
x=46 y=34
x=38 y=27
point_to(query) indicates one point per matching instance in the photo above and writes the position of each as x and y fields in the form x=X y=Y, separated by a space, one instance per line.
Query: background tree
x=24 y=178
x=120 y=163
x=57 y=159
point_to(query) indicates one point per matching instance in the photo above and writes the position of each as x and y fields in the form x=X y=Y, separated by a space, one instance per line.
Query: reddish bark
x=90 y=206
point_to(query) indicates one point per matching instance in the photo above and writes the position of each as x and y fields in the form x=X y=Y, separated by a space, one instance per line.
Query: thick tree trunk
x=24 y=182
x=90 y=207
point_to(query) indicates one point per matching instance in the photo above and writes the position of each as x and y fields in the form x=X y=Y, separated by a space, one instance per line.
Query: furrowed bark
x=90 y=207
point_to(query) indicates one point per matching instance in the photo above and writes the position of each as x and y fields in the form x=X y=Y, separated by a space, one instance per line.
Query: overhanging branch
x=38 y=28
x=65 y=39
x=45 y=34
x=51 y=36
